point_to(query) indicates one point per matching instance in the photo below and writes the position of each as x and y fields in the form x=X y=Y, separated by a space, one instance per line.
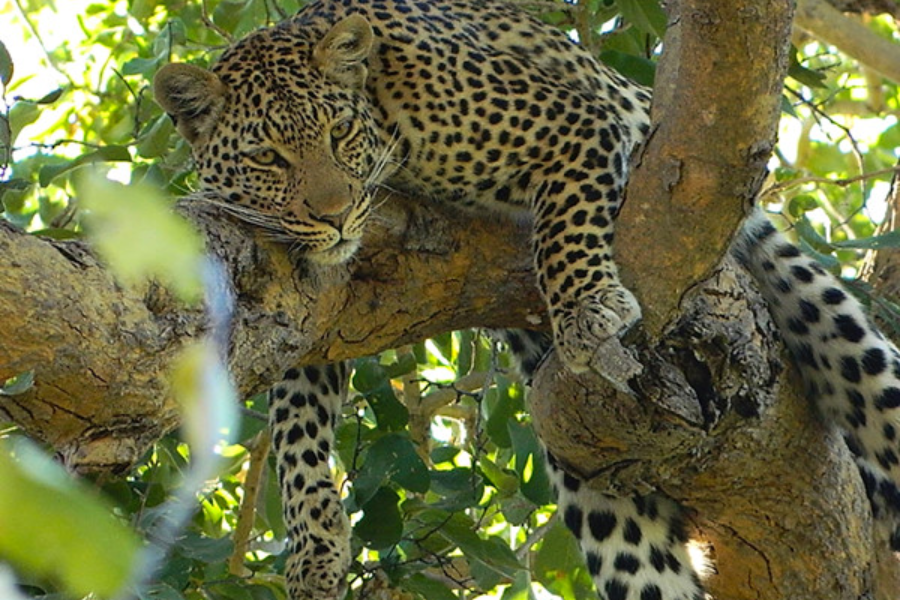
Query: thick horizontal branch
x=101 y=353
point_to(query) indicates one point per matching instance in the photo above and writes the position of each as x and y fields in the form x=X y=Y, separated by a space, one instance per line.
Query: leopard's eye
x=267 y=158
x=342 y=129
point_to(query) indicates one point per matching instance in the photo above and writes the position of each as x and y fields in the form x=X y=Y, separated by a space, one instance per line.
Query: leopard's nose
x=330 y=200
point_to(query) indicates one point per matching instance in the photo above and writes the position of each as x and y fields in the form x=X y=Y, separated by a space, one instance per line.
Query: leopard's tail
x=851 y=370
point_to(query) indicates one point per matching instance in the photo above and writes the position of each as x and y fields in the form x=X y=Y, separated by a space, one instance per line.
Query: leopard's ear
x=192 y=96
x=341 y=54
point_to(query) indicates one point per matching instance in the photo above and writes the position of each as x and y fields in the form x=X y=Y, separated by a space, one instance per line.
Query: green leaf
x=21 y=114
x=50 y=97
x=5 y=143
x=559 y=565
x=141 y=9
x=458 y=488
x=801 y=204
x=371 y=380
x=176 y=571
x=808 y=234
x=140 y=66
x=56 y=233
x=638 y=68
x=444 y=345
x=646 y=15
x=517 y=508
x=272 y=506
x=382 y=525
x=209 y=550
x=426 y=588
x=107 y=153
x=828 y=261
x=466 y=357
x=391 y=458
x=6 y=65
x=227 y=590
x=506 y=482
x=369 y=375
x=19 y=384
x=493 y=552
x=787 y=107
x=174 y=34
x=876 y=242
x=160 y=591
x=404 y=365
x=56 y=528
x=530 y=464
x=808 y=77
x=502 y=409
x=254 y=418
x=261 y=592
x=444 y=454
x=520 y=589
x=137 y=234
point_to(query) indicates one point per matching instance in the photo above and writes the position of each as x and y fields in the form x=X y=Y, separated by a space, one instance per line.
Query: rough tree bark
x=718 y=422
x=101 y=353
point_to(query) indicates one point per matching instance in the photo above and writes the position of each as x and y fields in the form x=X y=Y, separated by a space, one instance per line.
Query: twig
x=830 y=210
x=842 y=182
x=259 y=454
x=536 y=535
x=204 y=16
x=37 y=36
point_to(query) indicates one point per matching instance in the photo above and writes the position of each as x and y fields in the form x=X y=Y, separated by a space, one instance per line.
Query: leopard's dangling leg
x=634 y=546
x=303 y=409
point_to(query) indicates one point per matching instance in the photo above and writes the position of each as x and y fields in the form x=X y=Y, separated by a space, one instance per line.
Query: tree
x=99 y=352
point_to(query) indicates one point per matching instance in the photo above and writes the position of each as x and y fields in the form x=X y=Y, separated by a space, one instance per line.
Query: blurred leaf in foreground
x=138 y=235
x=55 y=528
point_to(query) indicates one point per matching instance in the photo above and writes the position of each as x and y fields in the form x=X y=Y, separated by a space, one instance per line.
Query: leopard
x=477 y=104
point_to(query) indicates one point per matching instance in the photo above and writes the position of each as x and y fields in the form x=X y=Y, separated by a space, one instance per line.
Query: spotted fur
x=303 y=409
x=634 y=547
x=851 y=370
x=475 y=103
x=471 y=102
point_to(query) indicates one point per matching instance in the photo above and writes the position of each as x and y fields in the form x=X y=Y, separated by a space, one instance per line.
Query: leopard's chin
x=337 y=254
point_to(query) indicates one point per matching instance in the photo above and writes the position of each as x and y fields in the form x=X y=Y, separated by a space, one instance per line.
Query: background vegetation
x=449 y=497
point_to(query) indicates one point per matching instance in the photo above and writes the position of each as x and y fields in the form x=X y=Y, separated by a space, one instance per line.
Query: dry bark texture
x=717 y=424
x=722 y=427
x=101 y=353
x=715 y=111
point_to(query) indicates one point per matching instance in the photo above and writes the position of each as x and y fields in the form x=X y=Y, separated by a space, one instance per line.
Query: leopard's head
x=281 y=130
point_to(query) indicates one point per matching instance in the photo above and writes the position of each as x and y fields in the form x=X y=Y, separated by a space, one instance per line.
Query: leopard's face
x=295 y=161
x=285 y=145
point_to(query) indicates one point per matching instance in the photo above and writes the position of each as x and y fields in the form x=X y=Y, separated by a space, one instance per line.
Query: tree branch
x=827 y=23
x=714 y=421
x=101 y=353
x=714 y=117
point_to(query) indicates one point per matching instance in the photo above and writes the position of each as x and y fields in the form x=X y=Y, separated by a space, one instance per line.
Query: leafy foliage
x=448 y=495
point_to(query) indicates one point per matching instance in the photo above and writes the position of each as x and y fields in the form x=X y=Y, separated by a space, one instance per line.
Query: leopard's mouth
x=336 y=254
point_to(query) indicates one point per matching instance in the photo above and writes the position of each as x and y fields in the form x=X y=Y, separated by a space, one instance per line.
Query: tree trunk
x=719 y=424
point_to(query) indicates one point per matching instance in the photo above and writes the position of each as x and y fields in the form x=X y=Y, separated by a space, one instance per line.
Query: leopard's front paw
x=594 y=324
